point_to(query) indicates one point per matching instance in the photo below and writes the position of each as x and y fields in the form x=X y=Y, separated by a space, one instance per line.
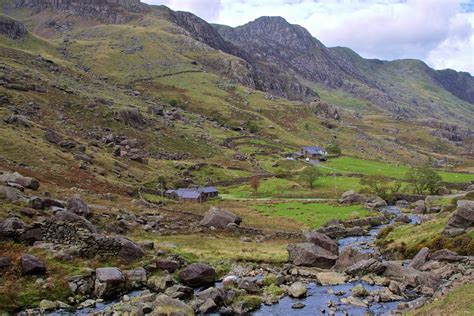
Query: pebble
x=298 y=306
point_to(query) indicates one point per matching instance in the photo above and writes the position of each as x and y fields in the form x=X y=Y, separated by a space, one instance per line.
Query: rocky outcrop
x=308 y=254
x=219 y=218
x=12 y=28
x=111 y=11
x=16 y=178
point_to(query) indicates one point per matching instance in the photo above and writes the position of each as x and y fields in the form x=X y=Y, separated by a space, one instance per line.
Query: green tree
x=424 y=179
x=334 y=149
x=380 y=186
x=252 y=127
x=310 y=175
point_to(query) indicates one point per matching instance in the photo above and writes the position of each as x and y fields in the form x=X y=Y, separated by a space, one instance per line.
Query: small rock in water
x=339 y=293
x=298 y=306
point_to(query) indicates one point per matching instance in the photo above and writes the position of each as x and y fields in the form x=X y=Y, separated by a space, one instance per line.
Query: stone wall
x=87 y=244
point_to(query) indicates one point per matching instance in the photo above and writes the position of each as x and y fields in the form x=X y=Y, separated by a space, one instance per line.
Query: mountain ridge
x=285 y=60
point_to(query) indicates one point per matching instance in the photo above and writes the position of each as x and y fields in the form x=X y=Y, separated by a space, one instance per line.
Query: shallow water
x=318 y=295
x=317 y=300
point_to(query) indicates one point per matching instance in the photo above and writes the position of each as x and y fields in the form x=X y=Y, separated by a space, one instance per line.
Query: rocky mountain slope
x=271 y=55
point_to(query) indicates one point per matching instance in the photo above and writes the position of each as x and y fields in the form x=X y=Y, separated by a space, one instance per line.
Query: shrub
x=252 y=127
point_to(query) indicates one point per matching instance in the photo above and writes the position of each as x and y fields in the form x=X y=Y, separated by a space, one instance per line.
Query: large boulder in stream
x=108 y=282
x=410 y=277
x=420 y=258
x=310 y=255
x=364 y=267
x=322 y=241
x=350 y=256
x=198 y=274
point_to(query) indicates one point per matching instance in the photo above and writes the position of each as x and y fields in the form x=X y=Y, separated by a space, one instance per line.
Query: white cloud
x=436 y=31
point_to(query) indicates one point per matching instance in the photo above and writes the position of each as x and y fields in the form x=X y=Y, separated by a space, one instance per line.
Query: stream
x=318 y=295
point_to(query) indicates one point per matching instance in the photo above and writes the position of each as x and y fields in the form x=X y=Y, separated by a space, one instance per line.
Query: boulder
x=79 y=207
x=352 y=197
x=136 y=277
x=249 y=285
x=410 y=277
x=166 y=305
x=168 y=265
x=5 y=263
x=68 y=217
x=403 y=218
x=219 y=218
x=129 y=251
x=385 y=295
x=463 y=217
x=9 y=194
x=12 y=227
x=108 y=282
x=15 y=177
x=376 y=202
x=53 y=137
x=365 y=267
x=297 y=290
x=215 y=294
x=322 y=241
x=198 y=274
x=402 y=204
x=308 y=254
x=350 y=256
x=420 y=258
x=160 y=283
x=31 y=265
x=446 y=255
x=419 y=207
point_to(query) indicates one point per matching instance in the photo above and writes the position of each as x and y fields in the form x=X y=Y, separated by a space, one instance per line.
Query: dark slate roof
x=314 y=149
x=208 y=190
x=188 y=193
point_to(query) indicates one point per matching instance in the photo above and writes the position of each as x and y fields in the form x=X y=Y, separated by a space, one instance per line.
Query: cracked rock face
x=12 y=28
x=111 y=11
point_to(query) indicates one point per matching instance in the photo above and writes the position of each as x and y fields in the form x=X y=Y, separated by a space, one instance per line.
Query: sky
x=439 y=32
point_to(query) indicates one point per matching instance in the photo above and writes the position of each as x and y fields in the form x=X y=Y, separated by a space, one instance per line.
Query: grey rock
x=308 y=254
x=219 y=218
x=31 y=265
x=322 y=241
x=420 y=258
x=365 y=267
x=297 y=290
x=198 y=274
x=77 y=206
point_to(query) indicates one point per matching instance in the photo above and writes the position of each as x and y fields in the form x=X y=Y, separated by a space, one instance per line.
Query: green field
x=313 y=214
x=324 y=187
x=396 y=171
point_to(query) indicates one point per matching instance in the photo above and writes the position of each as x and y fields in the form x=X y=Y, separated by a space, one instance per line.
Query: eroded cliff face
x=12 y=28
x=110 y=11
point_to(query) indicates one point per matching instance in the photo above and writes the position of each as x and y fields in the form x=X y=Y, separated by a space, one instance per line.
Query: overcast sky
x=439 y=32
